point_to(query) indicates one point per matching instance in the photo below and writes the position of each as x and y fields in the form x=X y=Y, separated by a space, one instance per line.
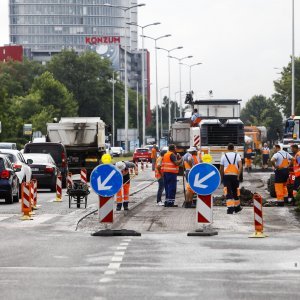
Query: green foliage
x=283 y=89
x=260 y=111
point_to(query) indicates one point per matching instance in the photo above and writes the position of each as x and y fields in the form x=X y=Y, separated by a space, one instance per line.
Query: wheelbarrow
x=78 y=193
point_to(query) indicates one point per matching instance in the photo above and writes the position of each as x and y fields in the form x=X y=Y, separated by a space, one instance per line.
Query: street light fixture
x=179 y=61
x=169 y=76
x=191 y=66
x=156 y=79
x=143 y=75
x=125 y=9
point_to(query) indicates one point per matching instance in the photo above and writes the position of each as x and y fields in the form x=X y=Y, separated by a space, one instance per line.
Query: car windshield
x=53 y=150
x=39 y=158
x=2 y=167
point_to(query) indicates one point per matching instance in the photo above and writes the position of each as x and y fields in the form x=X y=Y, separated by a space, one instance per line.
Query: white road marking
x=117 y=258
x=121 y=248
x=105 y=279
x=119 y=253
x=5 y=217
x=124 y=244
x=110 y=272
x=126 y=240
x=114 y=266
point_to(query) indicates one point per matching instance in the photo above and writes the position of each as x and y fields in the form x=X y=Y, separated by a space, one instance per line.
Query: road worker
x=160 y=177
x=122 y=196
x=265 y=156
x=281 y=161
x=195 y=118
x=296 y=163
x=230 y=169
x=170 y=168
x=190 y=159
x=153 y=156
x=248 y=158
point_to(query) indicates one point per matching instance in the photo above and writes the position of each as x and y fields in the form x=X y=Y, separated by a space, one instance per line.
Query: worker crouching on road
x=296 y=163
x=281 y=161
x=190 y=159
x=170 y=168
x=231 y=168
x=160 y=178
x=265 y=156
x=123 y=194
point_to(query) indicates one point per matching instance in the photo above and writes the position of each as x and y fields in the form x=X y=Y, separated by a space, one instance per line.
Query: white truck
x=220 y=125
x=83 y=138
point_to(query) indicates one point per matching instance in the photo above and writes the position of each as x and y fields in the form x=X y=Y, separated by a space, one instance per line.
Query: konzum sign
x=94 y=40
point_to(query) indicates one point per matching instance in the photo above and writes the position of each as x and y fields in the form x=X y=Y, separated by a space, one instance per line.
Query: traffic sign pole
x=204 y=179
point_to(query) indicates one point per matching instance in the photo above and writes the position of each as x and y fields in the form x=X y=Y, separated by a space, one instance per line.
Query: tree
x=260 y=111
x=283 y=89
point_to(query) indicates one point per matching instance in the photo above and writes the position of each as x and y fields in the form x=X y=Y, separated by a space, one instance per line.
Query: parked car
x=58 y=153
x=9 y=183
x=8 y=146
x=44 y=169
x=141 y=154
x=117 y=151
x=18 y=161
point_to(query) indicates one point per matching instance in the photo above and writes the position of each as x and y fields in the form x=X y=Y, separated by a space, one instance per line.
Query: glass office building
x=48 y=26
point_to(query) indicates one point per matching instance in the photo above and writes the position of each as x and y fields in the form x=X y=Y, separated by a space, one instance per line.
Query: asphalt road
x=47 y=259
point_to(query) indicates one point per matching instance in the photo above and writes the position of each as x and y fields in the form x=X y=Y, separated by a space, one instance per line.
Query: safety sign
x=106 y=180
x=204 y=179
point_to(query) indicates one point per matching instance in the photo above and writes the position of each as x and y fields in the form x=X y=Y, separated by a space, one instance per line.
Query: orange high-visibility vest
x=195 y=162
x=296 y=165
x=153 y=153
x=232 y=168
x=266 y=150
x=167 y=165
x=285 y=162
x=158 y=161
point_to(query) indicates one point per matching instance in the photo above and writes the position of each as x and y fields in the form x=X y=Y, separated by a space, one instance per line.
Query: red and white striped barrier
x=25 y=201
x=204 y=209
x=58 y=189
x=69 y=180
x=197 y=140
x=142 y=165
x=34 y=185
x=258 y=216
x=83 y=175
x=106 y=209
x=136 y=169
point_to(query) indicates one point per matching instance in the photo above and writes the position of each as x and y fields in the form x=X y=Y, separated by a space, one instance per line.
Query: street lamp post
x=169 y=77
x=179 y=61
x=143 y=76
x=156 y=79
x=293 y=58
x=161 y=101
x=125 y=9
x=113 y=109
x=175 y=102
x=137 y=112
x=191 y=66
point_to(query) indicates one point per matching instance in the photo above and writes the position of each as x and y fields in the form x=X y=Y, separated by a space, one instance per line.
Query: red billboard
x=12 y=52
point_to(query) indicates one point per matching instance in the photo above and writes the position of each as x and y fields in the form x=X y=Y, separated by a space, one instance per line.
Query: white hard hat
x=192 y=149
x=120 y=165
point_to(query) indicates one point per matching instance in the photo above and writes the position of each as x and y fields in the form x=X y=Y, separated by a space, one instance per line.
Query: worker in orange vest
x=170 y=168
x=190 y=159
x=160 y=178
x=153 y=156
x=195 y=119
x=230 y=169
x=281 y=161
x=248 y=158
x=296 y=163
x=122 y=196
x=265 y=156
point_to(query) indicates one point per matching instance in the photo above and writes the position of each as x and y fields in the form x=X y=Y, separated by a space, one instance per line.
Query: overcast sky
x=239 y=42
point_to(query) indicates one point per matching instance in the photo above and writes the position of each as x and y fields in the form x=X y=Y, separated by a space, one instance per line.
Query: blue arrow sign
x=106 y=180
x=204 y=179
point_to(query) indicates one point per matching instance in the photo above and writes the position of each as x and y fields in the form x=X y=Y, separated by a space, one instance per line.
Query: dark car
x=9 y=183
x=58 y=153
x=44 y=170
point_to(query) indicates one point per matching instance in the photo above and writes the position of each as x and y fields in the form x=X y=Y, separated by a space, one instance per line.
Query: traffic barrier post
x=136 y=169
x=106 y=209
x=69 y=180
x=142 y=165
x=31 y=189
x=258 y=217
x=83 y=175
x=58 y=189
x=34 y=184
x=25 y=201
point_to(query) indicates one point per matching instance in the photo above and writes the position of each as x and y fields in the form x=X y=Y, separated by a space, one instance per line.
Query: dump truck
x=83 y=138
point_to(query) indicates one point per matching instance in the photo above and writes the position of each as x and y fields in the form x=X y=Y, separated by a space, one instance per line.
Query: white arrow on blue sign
x=106 y=180
x=204 y=179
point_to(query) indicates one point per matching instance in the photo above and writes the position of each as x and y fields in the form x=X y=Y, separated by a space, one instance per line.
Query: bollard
x=83 y=175
x=31 y=193
x=34 y=184
x=136 y=168
x=146 y=164
x=142 y=165
x=69 y=180
x=58 y=189
x=258 y=217
x=25 y=201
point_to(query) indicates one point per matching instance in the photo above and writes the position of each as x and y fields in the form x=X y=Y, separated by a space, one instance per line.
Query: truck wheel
x=272 y=186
